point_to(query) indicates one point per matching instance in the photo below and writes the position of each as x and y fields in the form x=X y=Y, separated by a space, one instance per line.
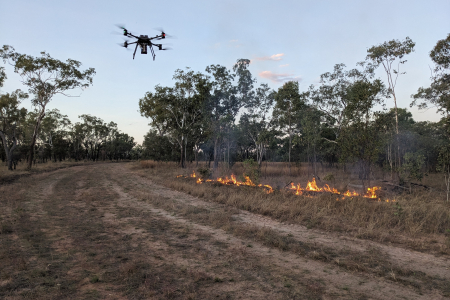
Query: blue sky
x=284 y=39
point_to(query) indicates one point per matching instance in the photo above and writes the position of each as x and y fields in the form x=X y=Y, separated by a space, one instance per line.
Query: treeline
x=59 y=139
x=349 y=117
x=41 y=135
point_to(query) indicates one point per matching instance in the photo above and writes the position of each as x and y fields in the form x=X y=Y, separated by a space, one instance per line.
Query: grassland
x=135 y=231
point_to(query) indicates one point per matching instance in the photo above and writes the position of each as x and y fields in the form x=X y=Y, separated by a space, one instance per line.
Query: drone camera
x=143 y=48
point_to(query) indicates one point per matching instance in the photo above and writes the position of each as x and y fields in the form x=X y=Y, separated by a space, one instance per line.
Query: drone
x=144 y=41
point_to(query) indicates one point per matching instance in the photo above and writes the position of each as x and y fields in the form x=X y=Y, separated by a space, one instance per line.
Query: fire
x=233 y=181
x=297 y=189
x=312 y=187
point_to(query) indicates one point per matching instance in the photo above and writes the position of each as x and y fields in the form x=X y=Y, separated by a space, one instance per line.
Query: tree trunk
x=33 y=138
x=8 y=152
x=216 y=154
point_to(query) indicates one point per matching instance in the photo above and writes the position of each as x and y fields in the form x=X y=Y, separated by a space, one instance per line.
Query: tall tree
x=438 y=93
x=177 y=111
x=11 y=117
x=257 y=121
x=221 y=106
x=286 y=113
x=45 y=77
x=390 y=55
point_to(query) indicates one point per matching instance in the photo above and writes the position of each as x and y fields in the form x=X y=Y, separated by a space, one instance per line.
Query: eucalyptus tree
x=54 y=128
x=391 y=56
x=177 y=111
x=257 y=121
x=11 y=122
x=359 y=139
x=221 y=105
x=438 y=93
x=289 y=104
x=46 y=77
x=95 y=133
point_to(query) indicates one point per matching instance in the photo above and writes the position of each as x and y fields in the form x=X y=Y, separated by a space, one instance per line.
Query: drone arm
x=131 y=35
x=135 y=51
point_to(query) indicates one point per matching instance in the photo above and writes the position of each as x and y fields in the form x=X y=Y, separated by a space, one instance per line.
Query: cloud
x=275 y=57
x=281 y=66
x=279 y=77
x=234 y=43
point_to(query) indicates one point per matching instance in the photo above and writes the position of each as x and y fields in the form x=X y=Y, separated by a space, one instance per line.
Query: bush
x=252 y=170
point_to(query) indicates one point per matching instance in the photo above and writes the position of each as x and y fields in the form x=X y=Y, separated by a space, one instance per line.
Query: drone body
x=144 y=42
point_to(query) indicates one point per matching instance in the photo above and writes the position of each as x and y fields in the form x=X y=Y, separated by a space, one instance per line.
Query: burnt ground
x=104 y=232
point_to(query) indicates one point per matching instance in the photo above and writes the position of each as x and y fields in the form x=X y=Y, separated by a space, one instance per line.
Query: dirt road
x=104 y=232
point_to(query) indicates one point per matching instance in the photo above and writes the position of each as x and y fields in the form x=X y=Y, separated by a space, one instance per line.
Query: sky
x=285 y=40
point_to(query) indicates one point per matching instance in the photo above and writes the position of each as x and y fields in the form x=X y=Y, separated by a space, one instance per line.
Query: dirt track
x=112 y=234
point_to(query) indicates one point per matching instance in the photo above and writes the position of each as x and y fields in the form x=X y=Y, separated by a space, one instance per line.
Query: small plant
x=412 y=167
x=204 y=172
x=329 y=177
x=398 y=209
x=252 y=170
x=94 y=279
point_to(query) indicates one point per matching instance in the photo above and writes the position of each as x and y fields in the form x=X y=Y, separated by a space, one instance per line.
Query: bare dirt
x=105 y=232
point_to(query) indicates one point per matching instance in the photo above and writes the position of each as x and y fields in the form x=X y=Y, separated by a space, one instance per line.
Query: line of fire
x=311 y=188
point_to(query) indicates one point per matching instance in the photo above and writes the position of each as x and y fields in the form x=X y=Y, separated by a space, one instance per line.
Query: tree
x=46 y=77
x=390 y=55
x=95 y=133
x=177 y=111
x=221 y=106
x=53 y=128
x=11 y=117
x=438 y=94
x=256 y=122
x=359 y=140
x=286 y=113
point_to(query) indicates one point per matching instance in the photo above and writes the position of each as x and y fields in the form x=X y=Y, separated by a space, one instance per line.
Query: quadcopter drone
x=144 y=41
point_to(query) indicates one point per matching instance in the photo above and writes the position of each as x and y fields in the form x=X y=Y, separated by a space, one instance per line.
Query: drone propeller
x=167 y=48
x=125 y=44
x=122 y=26
x=165 y=35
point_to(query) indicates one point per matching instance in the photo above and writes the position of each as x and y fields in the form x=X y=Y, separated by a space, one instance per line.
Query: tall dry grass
x=421 y=218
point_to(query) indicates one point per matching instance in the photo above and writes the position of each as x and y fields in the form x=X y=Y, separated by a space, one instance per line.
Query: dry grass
x=420 y=219
x=21 y=169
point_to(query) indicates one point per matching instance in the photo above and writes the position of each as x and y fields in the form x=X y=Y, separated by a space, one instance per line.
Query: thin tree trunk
x=33 y=138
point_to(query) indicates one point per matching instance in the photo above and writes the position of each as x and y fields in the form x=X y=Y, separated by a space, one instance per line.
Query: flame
x=311 y=186
x=233 y=181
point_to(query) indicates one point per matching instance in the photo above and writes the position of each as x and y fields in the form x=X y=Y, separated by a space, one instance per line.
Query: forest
x=349 y=120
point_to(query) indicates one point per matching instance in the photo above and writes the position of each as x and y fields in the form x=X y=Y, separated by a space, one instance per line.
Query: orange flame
x=297 y=189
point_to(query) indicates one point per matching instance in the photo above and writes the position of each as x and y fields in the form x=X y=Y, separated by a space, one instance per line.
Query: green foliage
x=158 y=147
x=252 y=170
x=438 y=93
x=329 y=177
x=204 y=172
x=412 y=168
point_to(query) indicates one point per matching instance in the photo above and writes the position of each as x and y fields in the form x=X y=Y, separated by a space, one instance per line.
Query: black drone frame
x=144 y=41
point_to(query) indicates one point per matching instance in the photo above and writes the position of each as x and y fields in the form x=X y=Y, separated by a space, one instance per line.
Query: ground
x=105 y=231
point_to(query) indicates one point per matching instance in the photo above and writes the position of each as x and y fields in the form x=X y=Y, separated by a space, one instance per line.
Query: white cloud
x=274 y=57
x=279 y=77
x=282 y=66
